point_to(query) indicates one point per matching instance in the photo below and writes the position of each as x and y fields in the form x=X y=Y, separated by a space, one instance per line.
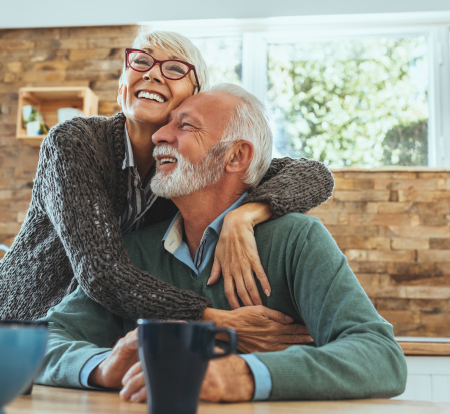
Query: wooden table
x=49 y=400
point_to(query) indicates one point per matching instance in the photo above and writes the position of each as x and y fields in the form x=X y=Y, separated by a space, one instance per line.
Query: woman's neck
x=141 y=141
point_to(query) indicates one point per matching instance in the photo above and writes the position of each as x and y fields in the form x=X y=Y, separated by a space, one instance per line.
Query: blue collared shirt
x=173 y=242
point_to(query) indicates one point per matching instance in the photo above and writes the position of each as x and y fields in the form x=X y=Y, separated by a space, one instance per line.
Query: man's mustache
x=166 y=150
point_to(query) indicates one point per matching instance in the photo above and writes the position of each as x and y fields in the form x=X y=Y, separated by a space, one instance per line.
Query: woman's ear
x=240 y=157
x=119 y=95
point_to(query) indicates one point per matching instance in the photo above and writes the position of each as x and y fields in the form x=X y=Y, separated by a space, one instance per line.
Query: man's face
x=189 y=152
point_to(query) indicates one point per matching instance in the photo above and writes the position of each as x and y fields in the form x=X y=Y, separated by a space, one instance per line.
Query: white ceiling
x=57 y=13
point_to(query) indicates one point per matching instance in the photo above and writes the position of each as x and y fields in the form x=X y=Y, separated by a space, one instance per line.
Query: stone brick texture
x=392 y=224
x=394 y=227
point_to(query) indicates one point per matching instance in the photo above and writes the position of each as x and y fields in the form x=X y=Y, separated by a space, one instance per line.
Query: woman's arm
x=290 y=185
x=293 y=186
x=72 y=194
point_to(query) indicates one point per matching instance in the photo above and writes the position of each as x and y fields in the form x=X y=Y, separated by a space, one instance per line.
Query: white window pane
x=223 y=56
x=351 y=102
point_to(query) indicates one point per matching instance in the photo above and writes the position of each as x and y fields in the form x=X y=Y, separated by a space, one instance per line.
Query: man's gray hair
x=250 y=123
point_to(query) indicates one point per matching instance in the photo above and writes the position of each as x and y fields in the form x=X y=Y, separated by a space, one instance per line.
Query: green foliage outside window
x=351 y=103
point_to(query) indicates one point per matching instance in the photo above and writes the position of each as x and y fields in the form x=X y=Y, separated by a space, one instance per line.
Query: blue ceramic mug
x=22 y=348
x=174 y=357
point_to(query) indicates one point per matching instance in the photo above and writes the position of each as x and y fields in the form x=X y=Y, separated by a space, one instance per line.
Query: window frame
x=258 y=33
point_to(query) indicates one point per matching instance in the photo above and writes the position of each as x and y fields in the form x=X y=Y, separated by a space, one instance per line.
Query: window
x=362 y=91
x=223 y=55
x=357 y=103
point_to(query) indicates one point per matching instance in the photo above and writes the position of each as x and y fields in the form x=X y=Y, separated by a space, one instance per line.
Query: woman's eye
x=185 y=124
x=141 y=62
x=176 y=68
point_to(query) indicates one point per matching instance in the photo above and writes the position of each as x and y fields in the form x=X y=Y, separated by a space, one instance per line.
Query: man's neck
x=141 y=141
x=201 y=208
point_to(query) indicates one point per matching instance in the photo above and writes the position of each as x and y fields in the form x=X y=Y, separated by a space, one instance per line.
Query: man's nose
x=164 y=135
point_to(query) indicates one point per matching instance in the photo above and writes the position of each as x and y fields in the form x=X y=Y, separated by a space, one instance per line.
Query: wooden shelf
x=48 y=101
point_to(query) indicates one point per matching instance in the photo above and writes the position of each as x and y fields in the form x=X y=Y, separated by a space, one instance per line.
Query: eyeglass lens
x=170 y=69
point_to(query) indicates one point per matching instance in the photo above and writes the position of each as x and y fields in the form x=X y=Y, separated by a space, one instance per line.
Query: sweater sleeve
x=70 y=192
x=293 y=185
x=356 y=355
x=78 y=329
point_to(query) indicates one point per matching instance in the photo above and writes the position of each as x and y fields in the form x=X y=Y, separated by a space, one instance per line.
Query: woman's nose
x=154 y=74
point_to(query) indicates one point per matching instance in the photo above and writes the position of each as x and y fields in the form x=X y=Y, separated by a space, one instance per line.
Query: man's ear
x=240 y=157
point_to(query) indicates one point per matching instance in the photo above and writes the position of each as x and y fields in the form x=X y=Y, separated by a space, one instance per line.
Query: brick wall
x=392 y=225
x=394 y=228
x=91 y=56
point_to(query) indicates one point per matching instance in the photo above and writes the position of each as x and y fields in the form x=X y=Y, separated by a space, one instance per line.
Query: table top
x=51 y=400
x=425 y=348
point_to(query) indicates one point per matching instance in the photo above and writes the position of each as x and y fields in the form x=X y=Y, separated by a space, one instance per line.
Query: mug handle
x=232 y=337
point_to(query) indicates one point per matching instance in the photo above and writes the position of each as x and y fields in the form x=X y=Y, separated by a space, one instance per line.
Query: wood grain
x=426 y=348
x=50 y=400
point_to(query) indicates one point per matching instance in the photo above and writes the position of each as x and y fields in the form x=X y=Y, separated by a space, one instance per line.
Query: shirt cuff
x=89 y=366
x=263 y=380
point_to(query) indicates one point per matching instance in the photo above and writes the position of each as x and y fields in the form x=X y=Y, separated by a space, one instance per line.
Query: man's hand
x=259 y=329
x=109 y=372
x=226 y=379
x=134 y=385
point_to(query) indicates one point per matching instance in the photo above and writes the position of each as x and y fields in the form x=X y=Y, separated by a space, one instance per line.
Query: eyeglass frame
x=155 y=61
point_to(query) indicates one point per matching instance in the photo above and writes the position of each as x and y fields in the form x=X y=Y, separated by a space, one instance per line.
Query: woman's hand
x=259 y=329
x=237 y=256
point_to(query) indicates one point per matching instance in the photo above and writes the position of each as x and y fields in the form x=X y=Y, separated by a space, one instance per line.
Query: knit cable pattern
x=293 y=185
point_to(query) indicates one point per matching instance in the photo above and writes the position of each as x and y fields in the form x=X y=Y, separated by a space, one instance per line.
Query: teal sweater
x=355 y=355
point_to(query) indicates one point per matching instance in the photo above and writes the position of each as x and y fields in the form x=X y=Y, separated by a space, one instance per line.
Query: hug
x=174 y=209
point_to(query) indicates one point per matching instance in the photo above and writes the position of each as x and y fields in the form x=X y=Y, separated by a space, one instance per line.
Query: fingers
x=134 y=385
x=134 y=370
x=277 y=316
x=215 y=272
x=127 y=345
x=228 y=283
x=241 y=288
x=261 y=275
x=135 y=390
x=250 y=286
x=296 y=329
x=295 y=339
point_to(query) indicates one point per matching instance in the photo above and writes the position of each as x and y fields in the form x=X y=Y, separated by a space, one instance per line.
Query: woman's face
x=137 y=86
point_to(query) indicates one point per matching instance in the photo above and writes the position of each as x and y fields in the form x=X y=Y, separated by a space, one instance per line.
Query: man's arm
x=79 y=329
x=356 y=354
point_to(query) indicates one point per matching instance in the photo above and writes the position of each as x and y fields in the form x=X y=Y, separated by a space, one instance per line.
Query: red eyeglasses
x=141 y=61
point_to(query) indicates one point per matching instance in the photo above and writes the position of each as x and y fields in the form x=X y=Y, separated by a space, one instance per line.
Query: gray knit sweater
x=71 y=234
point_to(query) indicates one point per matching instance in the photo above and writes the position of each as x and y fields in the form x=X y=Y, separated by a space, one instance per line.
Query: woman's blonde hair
x=176 y=45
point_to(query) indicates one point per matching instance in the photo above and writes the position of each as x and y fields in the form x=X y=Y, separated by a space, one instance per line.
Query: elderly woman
x=93 y=185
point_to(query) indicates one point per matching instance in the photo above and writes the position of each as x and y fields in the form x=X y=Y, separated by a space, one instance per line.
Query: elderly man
x=216 y=146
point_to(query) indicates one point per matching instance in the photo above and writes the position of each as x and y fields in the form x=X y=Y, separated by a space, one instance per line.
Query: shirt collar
x=174 y=234
x=128 y=161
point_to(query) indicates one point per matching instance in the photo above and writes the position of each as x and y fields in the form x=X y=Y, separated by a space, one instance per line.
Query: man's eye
x=185 y=124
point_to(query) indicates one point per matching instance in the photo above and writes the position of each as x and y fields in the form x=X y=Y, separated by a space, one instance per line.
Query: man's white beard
x=188 y=177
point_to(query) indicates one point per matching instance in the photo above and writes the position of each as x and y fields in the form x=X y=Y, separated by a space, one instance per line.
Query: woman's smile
x=150 y=96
